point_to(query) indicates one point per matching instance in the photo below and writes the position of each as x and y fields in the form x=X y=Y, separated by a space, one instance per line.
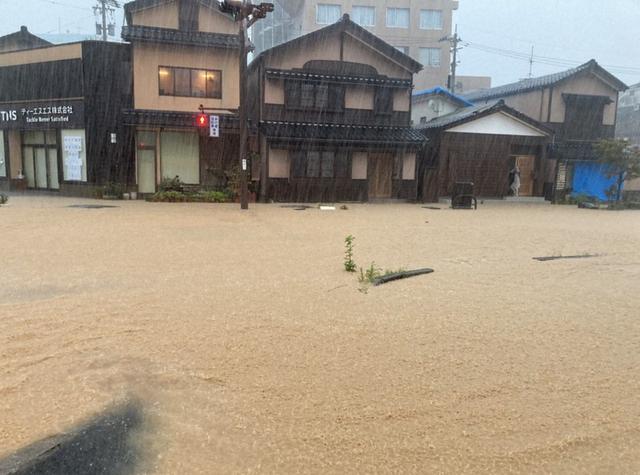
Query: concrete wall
x=148 y=57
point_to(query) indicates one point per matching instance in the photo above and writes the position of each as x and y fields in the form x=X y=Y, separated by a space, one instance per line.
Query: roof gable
x=22 y=39
x=345 y=25
x=542 y=82
x=470 y=114
x=138 y=5
x=497 y=123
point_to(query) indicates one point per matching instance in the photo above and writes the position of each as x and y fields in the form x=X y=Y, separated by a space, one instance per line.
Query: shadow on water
x=103 y=445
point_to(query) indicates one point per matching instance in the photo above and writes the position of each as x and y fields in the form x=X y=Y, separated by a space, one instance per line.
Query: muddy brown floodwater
x=250 y=350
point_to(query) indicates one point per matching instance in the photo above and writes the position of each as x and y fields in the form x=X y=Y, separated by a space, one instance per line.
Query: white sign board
x=113 y=138
x=73 y=162
x=214 y=126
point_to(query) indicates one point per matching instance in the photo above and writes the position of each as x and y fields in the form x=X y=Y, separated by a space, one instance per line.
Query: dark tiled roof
x=24 y=39
x=468 y=114
x=440 y=91
x=376 y=80
x=346 y=25
x=172 y=118
x=168 y=35
x=343 y=133
x=542 y=82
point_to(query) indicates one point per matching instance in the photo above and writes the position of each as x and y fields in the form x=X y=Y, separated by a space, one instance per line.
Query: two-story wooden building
x=580 y=106
x=185 y=54
x=334 y=111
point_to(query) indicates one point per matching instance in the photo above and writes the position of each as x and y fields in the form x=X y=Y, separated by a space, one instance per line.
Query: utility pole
x=454 y=41
x=531 y=64
x=247 y=14
x=105 y=6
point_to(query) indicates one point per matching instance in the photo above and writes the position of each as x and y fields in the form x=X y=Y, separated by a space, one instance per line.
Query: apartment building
x=414 y=27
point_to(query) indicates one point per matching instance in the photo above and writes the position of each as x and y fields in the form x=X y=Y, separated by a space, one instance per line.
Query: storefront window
x=3 y=156
x=180 y=156
x=33 y=137
x=74 y=155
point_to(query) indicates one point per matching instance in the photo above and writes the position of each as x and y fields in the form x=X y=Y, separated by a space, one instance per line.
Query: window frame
x=429 y=63
x=294 y=87
x=367 y=7
x=191 y=71
x=408 y=10
x=427 y=11
x=340 y=159
x=318 y=5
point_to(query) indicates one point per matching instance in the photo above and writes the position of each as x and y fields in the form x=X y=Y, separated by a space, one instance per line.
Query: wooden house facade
x=61 y=117
x=185 y=55
x=580 y=106
x=333 y=110
x=482 y=144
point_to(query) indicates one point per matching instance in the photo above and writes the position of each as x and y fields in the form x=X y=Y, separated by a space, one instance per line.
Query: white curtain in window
x=364 y=16
x=180 y=156
x=430 y=57
x=431 y=19
x=398 y=17
x=327 y=14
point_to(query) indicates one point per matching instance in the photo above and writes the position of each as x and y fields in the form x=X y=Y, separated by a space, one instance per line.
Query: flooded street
x=251 y=350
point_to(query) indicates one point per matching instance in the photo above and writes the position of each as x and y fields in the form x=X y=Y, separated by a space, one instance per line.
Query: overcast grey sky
x=499 y=33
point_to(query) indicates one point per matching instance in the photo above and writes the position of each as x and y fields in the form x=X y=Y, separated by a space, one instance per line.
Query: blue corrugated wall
x=589 y=178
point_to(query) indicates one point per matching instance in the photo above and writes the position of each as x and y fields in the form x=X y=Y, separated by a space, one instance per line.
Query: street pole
x=454 y=63
x=104 y=19
x=244 y=133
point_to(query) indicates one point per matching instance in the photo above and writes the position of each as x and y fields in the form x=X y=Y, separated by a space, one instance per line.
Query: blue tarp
x=590 y=179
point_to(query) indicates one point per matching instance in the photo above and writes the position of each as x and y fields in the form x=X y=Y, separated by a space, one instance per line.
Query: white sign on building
x=214 y=126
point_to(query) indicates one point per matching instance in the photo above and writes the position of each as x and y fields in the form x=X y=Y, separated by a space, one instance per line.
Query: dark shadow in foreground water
x=103 y=445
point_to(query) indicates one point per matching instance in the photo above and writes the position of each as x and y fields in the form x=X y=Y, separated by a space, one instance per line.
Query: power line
x=547 y=60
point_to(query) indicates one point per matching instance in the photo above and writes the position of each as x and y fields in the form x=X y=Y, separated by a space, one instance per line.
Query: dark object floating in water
x=587 y=205
x=554 y=258
x=401 y=275
x=92 y=206
x=430 y=207
x=104 y=445
x=297 y=207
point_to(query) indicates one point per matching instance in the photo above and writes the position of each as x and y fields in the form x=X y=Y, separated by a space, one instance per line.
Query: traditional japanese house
x=580 y=106
x=185 y=55
x=60 y=117
x=482 y=144
x=334 y=110
x=20 y=40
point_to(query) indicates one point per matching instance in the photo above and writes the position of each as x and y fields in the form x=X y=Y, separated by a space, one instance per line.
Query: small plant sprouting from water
x=349 y=264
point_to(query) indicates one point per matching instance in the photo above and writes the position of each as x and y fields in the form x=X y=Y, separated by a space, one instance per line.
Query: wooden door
x=527 y=166
x=380 y=172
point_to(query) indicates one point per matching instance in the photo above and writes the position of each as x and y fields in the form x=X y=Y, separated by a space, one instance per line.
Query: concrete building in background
x=414 y=27
x=628 y=119
x=466 y=84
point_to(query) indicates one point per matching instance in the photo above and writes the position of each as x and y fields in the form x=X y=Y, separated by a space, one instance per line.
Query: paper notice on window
x=72 y=144
x=73 y=163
